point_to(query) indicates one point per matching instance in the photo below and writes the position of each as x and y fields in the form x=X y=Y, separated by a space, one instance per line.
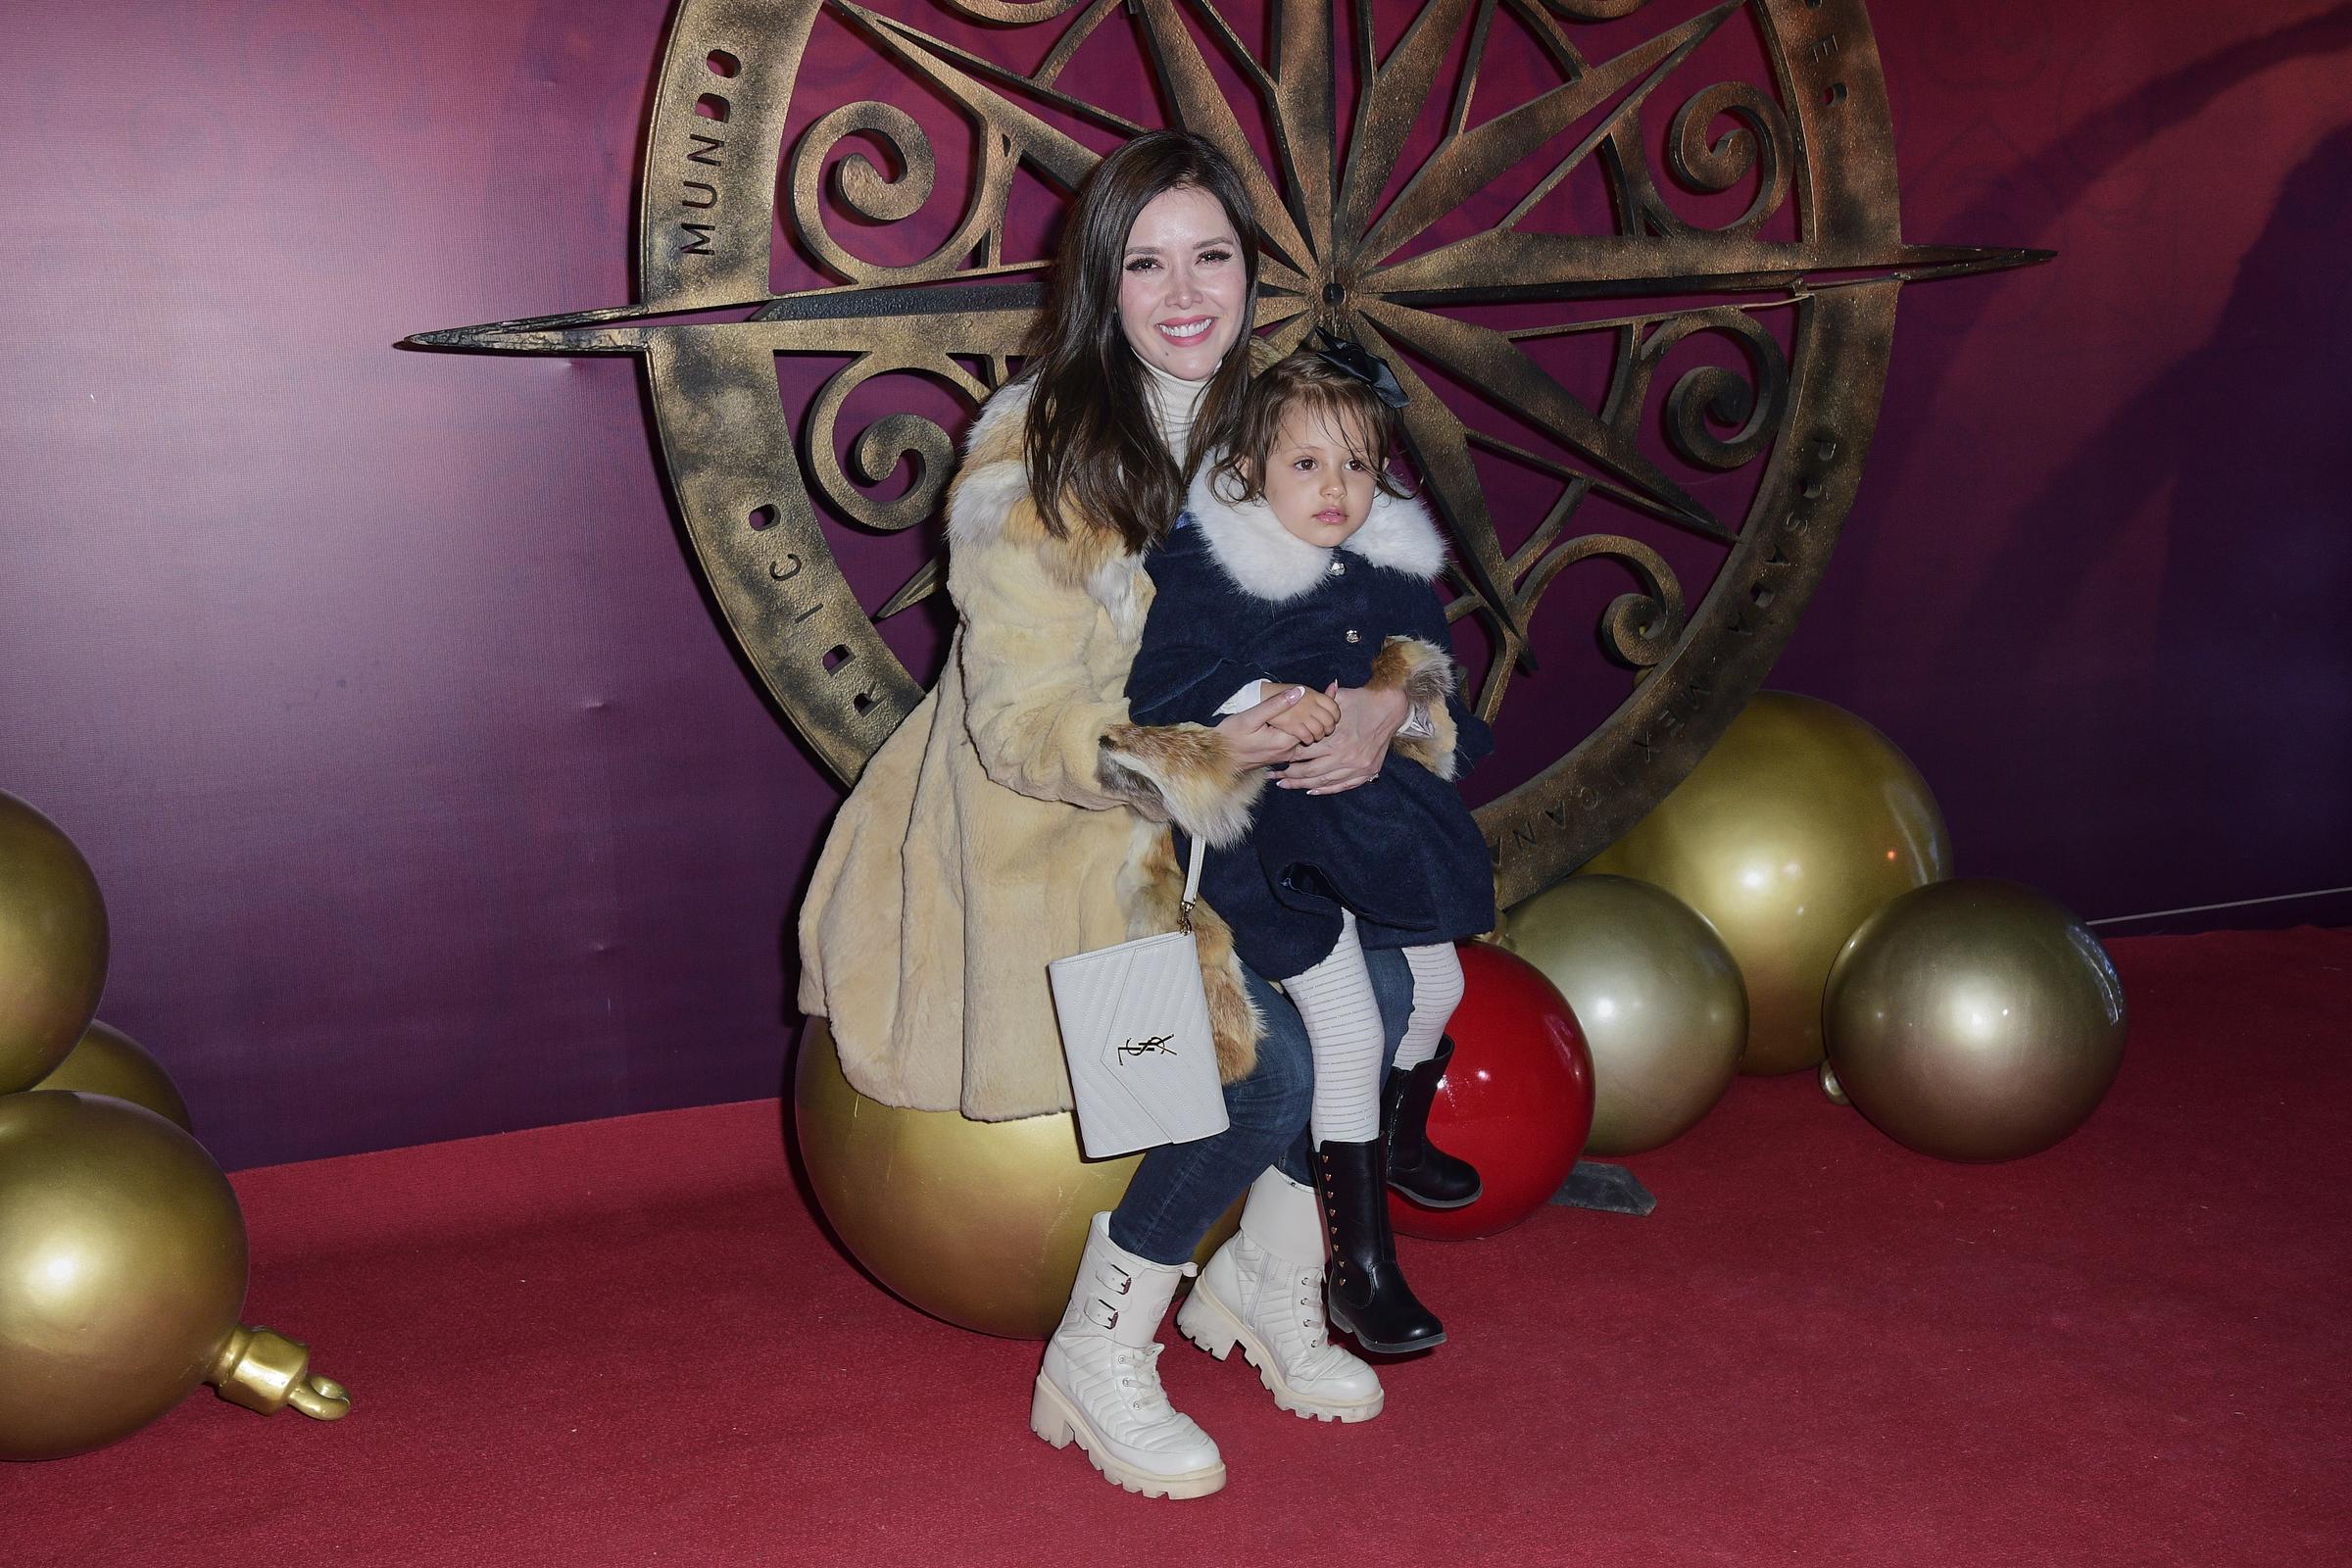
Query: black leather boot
x=1368 y=1296
x=1422 y=1173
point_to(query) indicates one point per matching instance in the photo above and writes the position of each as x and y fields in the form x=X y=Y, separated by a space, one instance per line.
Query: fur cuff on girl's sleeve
x=1181 y=773
x=1424 y=672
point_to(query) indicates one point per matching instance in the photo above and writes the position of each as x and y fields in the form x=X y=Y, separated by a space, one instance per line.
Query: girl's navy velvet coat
x=1231 y=606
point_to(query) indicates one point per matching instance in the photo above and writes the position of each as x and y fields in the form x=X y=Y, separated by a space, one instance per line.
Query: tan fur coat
x=1015 y=817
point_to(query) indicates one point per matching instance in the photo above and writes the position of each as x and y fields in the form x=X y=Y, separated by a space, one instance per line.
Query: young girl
x=1300 y=562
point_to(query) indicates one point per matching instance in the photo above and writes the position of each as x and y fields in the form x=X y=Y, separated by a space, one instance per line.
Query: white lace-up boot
x=1263 y=1291
x=1101 y=1380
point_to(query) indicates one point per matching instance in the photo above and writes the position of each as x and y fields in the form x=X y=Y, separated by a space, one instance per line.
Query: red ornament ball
x=1516 y=1100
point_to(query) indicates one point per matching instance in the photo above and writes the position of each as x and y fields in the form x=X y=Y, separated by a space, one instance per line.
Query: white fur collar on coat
x=1268 y=560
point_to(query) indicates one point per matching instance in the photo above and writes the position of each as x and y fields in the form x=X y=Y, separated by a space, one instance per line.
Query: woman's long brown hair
x=1093 y=448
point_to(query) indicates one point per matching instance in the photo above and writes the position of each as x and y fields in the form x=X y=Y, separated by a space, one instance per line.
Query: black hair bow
x=1351 y=357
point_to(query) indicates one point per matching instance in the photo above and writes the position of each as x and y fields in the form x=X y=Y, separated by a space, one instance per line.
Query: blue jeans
x=1180 y=1189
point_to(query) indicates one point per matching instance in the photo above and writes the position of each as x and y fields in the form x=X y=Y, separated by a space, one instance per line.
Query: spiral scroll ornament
x=1637 y=276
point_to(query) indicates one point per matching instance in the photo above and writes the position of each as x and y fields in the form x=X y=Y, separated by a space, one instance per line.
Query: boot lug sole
x=1256 y=1353
x=1056 y=1419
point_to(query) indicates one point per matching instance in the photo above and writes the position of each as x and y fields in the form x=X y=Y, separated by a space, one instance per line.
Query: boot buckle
x=1103 y=1315
x=1121 y=1286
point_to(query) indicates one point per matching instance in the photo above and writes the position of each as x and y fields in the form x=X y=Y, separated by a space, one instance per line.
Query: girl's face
x=1181 y=283
x=1317 y=480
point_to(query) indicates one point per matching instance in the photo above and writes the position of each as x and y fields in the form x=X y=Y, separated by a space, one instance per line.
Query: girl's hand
x=1353 y=751
x=1312 y=717
x=1252 y=736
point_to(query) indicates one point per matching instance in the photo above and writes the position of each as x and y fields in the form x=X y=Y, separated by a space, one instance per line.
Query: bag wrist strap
x=1192 y=891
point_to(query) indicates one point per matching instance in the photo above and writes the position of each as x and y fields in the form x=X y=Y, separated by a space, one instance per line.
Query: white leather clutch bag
x=1135 y=1031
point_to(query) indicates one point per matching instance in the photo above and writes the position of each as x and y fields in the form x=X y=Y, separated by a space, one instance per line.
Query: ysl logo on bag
x=1157 y=1042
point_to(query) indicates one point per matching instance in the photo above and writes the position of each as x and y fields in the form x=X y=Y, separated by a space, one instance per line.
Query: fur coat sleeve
x=1036 y=716
x=1422 y=666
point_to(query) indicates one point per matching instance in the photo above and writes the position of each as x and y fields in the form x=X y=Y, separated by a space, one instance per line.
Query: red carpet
x=628 y=1342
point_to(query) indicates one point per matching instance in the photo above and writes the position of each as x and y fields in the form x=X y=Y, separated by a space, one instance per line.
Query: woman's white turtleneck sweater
x=1175 y=402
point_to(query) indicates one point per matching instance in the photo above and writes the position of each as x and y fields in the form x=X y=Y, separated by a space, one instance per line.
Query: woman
x=1016 y=818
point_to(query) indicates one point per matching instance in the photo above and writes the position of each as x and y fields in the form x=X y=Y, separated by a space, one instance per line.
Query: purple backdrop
x=430 y=801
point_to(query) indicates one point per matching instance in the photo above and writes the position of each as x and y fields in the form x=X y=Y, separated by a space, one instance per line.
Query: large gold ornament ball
x=1656 y=992
x=122 y=1270
x=1974 y=1020
x=1799 y=824
x=52 y=945
x=108 y=1061
x=977 y=1222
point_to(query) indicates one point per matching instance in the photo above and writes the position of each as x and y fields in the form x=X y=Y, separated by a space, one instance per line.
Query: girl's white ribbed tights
x=1437 y=991
x=1343 y=1034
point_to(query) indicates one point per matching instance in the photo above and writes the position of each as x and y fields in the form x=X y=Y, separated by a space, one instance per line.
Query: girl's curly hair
x=1305 y=380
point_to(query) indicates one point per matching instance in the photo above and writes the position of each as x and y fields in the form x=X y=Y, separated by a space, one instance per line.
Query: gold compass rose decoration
x=1725 y=252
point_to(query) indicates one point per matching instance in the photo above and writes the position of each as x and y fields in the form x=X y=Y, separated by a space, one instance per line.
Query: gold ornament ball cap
x=265 y=1371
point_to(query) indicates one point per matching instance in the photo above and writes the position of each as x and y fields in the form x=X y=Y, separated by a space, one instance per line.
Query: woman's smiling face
x=1181 y=283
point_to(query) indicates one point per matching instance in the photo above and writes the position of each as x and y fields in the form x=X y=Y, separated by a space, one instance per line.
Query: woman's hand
x=1252 y=734
x=1351 y=753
